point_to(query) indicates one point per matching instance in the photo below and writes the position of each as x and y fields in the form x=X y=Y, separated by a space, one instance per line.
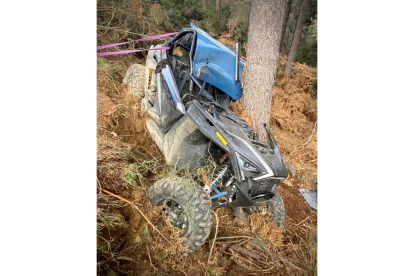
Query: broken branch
x=142 y=214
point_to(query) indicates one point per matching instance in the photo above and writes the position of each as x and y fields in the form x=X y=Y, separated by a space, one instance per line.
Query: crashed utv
x=186 y=90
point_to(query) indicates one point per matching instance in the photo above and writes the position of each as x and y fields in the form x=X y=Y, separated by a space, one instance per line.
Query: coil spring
x=219 y=176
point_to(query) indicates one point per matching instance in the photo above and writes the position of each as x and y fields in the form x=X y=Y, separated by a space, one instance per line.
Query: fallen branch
x=267 y=249
x=295 y=266
x=142 y=214
x=238 y=256
x=215 y=236
x=314 y=128
x=289 y=263
x=244 y=252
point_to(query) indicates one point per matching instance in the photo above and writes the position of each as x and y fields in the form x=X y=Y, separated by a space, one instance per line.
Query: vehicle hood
x=220 y=68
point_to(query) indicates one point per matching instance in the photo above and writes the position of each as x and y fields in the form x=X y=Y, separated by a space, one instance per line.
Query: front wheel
x=275 y=206
x=187 y=206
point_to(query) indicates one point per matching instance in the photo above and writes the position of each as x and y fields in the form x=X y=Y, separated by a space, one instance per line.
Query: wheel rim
x=175 y=212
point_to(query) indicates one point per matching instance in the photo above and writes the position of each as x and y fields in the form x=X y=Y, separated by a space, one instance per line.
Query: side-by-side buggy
x=187 y=91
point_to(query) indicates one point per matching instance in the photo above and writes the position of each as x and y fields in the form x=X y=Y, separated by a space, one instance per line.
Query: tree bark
x=284 y=23
x=296 y=37
x=263 y=49
x=218 y=11
x=204 y=4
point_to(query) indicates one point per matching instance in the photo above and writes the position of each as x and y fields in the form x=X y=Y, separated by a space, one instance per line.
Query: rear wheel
x=187 y=206
x=134 y=78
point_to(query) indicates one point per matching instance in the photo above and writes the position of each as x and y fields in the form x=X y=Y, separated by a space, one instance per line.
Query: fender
x=214 y=134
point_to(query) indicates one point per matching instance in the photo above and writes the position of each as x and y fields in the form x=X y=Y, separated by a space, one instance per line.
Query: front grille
x=263 y=186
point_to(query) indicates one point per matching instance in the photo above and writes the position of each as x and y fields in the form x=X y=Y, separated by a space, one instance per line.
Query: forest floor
x=129 y=162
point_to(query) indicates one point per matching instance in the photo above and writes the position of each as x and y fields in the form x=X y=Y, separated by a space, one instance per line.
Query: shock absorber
x=219 y=176
x=216 y=179
x=224 y=158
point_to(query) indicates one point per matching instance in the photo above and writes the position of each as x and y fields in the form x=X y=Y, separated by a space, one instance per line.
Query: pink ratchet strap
x=141 y=39
x=133 y=51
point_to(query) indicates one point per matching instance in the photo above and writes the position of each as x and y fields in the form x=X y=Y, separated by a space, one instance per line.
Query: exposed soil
x=127 y=244
x=121 y=113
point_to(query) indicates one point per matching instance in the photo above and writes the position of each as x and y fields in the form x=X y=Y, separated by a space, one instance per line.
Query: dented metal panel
x=215 y=63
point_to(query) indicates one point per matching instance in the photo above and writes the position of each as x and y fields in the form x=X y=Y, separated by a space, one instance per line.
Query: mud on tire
x=195 y=203
x=135 y=79
x=277 y=209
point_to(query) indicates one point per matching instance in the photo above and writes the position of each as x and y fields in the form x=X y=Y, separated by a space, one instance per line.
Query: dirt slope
x=128 y=162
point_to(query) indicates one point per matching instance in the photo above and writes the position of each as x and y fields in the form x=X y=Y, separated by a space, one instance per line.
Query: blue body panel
x=220 y=69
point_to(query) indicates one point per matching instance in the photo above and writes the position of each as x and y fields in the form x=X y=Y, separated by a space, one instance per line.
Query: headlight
x=247 y=165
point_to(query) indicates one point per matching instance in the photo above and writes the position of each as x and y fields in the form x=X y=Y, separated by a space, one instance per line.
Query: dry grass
x=293 y=120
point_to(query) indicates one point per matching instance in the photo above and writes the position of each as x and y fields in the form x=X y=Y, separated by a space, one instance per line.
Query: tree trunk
x=218 y=13
x=263 y=49
x=296 y=37
x=204 y=4
x=284 y=24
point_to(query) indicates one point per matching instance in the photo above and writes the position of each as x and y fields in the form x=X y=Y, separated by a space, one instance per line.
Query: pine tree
x=296 y=37
x=285 y=20
x=263 y=49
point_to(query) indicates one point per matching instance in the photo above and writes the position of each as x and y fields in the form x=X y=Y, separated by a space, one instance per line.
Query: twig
x=99 y=184
x=112 y=9
x=283 y=261
x=109 y=249
x=233 y=241
x=221 y=238
x=303 y=220
x=232 y=228
x=215 y=236
x=264 y=270
x=312 y=160
x=260 y=249
x=294 y=266
x=300 y=226
x=238 y=256
x=124 y=258
x=247 y=253
x=294 y=249
x=113 y=14
x=267 y=249
x=314 y=128
x=149 y=255
x=246 y=240
x=182 y=270
x=142 y=214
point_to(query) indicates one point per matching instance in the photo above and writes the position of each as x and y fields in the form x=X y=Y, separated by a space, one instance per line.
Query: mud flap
x=311 y=197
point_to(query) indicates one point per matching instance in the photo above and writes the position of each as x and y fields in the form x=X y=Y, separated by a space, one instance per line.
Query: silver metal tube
x=229 y=181
x=237 y=67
